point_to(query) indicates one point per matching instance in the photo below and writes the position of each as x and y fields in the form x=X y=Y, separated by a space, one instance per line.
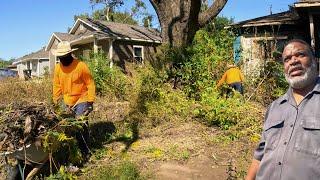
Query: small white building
x=37 y=63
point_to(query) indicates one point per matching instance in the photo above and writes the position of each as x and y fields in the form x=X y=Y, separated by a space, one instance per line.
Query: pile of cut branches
x=23 y=124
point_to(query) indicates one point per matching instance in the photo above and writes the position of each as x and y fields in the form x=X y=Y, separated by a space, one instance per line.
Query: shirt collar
x=317 y=86
x=288 y=95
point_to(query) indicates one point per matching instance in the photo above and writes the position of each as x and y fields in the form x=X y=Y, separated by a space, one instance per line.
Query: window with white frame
x=138 y=53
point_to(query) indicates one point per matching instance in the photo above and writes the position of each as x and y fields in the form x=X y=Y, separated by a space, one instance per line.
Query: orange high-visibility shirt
x=74 y=82
x=232 y=75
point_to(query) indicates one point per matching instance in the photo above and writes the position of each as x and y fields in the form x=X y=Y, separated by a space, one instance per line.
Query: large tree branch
x=212 y=12
x=156 y=6
x=155 y=3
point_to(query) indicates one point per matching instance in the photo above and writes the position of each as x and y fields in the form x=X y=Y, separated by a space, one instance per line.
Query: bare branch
x=212 y=12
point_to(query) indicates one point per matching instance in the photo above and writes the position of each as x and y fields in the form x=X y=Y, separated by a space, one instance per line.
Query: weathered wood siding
x=123 y=51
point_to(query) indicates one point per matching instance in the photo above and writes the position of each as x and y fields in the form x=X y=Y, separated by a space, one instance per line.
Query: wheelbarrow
x=32 y=155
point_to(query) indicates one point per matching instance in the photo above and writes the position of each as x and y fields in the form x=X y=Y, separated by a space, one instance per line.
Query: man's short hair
x=302 y=42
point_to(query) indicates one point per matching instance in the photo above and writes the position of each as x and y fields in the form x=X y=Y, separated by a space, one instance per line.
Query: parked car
x=5 y=73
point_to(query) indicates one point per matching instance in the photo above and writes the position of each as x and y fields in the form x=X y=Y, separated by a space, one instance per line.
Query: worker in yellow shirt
x=73 y=82
x=233 y=77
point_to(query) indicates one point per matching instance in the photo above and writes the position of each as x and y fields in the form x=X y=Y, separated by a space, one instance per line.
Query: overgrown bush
x=234 y=115
x=198 y=66
x=270 y=85
x=157 y=101
x=109 y=81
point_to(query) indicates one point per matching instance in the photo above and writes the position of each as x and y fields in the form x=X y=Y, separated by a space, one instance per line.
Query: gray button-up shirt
x=290 y=143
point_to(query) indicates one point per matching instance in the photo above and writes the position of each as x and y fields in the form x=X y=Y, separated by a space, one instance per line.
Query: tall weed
x=237 y=117
x=110 y=82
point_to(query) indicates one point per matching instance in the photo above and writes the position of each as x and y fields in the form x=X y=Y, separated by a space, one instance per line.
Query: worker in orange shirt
x=73 y=82
x=233 y=77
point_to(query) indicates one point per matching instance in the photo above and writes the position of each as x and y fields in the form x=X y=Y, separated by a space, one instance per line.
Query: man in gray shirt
x=290 y=143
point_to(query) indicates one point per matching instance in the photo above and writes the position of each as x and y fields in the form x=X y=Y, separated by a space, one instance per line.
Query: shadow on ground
x=102 y=133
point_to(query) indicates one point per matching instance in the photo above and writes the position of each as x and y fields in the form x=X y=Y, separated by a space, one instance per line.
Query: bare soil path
x=181 y=150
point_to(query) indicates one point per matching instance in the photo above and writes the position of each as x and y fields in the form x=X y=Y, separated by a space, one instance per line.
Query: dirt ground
x=180 y=150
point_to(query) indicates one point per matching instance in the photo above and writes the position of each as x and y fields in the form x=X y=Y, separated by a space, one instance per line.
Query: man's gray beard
x=308 y=77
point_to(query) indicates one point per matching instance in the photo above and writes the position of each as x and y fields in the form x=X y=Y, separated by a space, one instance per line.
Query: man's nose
x=293 y=60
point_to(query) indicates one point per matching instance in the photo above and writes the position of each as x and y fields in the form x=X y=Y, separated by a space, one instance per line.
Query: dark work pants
x=236 y=86
x=83 y=136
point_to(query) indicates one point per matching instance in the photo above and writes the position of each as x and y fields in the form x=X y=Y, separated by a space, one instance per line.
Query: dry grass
x=24 y=92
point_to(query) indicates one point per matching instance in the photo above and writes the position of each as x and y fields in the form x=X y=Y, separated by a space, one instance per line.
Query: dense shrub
x=270 y=85
x=157 y=101
x=109 y=81
x=238 y=117
x=196 y=67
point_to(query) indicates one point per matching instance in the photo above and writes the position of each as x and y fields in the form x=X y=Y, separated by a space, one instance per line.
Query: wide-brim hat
x=231 y=65
x=62 y=49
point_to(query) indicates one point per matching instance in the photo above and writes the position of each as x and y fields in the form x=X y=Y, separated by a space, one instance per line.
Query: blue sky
x=26 y=25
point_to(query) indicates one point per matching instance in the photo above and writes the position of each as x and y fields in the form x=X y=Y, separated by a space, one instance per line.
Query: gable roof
x=119 y=30
x=287 y=17
x=64 y=36
x=40 y=54
x=60 y=37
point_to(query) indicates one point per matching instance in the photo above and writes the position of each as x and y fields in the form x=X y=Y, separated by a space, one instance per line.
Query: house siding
x=123 y=51
x=85 y=29
x=20 y=67
x=259 y=43
x=43 y=66
x=83 y=51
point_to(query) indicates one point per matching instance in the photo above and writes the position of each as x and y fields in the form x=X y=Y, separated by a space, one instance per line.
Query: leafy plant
x=109 y=81
x=270 y=85
x=198 y=66
x=62 y=174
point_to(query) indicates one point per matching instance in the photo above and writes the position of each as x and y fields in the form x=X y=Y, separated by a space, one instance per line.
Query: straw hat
x=62 y=49
x=231 y=65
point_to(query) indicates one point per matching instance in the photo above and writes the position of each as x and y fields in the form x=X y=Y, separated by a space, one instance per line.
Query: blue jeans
x=236 y=86
x=80 y=108
x=82 y=136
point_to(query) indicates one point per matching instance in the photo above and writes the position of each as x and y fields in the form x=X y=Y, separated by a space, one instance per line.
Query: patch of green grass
x=100 y=153
x=124 y=171
x=155 y=152
x=178 y=153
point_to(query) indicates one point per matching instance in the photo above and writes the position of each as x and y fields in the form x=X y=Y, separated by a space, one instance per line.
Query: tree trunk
x=180 y=19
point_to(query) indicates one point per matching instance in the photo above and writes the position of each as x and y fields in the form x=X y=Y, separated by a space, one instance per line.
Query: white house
x=37 y=63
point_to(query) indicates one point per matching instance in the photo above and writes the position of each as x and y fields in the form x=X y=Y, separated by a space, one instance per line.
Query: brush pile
x=23 y=124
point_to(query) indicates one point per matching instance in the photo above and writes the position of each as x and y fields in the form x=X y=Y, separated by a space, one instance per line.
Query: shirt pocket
x=272 y=133
x=308 y=136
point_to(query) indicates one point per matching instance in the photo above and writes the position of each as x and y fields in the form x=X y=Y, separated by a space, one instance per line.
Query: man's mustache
x=295 y=68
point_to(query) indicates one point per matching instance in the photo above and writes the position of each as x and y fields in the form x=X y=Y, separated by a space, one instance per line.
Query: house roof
x=287 y=17
x=64 y=36
x=41 y=54
x=120 y=31
x=307 y=3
